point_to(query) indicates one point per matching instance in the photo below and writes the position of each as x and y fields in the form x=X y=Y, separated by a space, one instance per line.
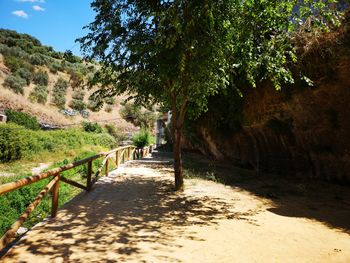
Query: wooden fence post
x=55 y=195
x=107 y=167
x=89 y=174
x=117 y=158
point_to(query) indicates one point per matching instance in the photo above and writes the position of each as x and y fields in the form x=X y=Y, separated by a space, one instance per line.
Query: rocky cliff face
x=298 y=131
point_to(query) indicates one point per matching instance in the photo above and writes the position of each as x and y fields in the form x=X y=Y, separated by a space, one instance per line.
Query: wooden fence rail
x=122 y=154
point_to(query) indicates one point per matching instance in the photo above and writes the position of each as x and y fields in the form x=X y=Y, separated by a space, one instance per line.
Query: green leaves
x=191 y=50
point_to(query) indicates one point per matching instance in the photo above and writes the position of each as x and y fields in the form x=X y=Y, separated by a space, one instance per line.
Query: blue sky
x=55 y=23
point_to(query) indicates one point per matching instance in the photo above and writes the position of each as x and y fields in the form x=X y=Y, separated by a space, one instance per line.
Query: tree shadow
x=122 y=218
x=324 y=202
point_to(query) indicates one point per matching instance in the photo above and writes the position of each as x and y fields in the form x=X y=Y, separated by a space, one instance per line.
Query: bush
x=38 y=59
x=110 y=100
x=16 y=83
x=92 y=127
x=22 y=119
x=11 y=143
x=76 y=78
x=41 y=78
x=59 y=92
x=25 y=74
x=143 y=138
x=16 y=142
x=114 y=132
x=142 y=118
x=61 y=85
x=39 y=94
x=13 y=63
x=55 y=67
x=92 y=105
x=78 y=105
x=78 y=94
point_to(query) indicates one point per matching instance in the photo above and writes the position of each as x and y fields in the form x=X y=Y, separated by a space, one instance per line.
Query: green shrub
x=59 y=100
x=14 y=203
x=38 y=59
x=13 y=51
x=78 y=94
x=25 y=74
x=22 y=119
x=76 y=78
x=41 y=78
x=13 y=63
x=143 y=138
x=114 y=132
x=11 y=143
x=39 y=94
x=15 y=83
x=55 y=67
x=17 y=142
x=78 y=105
x=92 y=127
x=59 y=92
x=61 y=85
x=135 y=114
x=92 y=105
x=110 y=100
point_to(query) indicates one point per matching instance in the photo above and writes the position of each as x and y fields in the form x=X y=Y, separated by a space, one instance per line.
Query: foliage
x=110 y=100
x=14 y=203
x=180 y=53
x=59 y=92
x=13 y=63
x=39 y=94
x=134 y=113
x=22 y=119
x=92 y=105
x=26 y=74
x=78 y=94
x=38 y=59
x=55 y=67
x=10 y=143
x=78 y=105
x=92 y=127
x=30 y=143
x=114 y=132
x=76 y=78
x=68 y=55
x=15 y=83
x=143 y=138
x=41 y=78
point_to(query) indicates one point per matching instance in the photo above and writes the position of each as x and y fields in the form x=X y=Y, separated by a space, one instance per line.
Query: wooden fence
x=122 y=154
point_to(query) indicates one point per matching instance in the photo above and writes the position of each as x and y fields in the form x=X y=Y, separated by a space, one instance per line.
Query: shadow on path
x=120 y=218
x=292 y=197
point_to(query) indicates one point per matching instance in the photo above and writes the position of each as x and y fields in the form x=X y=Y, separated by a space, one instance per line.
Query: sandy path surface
x=134 y=216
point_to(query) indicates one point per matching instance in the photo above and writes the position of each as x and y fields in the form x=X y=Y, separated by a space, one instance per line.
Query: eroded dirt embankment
x=300 y=131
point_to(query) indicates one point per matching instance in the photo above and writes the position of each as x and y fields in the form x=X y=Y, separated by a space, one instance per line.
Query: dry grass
x=48 y=113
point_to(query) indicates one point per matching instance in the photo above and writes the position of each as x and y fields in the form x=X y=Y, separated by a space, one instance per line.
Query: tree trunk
x=179 y=180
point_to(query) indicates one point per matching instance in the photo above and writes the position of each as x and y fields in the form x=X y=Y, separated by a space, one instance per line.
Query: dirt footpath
x=134 y=216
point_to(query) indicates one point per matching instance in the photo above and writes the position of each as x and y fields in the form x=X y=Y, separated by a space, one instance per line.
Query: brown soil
x=134 y=216
x=48 y=113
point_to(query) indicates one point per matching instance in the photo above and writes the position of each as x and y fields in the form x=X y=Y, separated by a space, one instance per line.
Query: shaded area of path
x=134 y=216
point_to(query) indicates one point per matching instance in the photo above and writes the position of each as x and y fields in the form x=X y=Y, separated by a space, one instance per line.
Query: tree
x=180 y=52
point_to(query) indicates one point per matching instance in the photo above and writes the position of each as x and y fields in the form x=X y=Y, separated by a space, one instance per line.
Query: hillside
x=22 y=56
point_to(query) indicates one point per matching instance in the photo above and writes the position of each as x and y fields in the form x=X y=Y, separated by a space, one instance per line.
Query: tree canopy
x=180 y=52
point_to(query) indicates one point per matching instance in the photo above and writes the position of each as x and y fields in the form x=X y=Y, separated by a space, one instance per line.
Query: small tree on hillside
x=178 y=53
